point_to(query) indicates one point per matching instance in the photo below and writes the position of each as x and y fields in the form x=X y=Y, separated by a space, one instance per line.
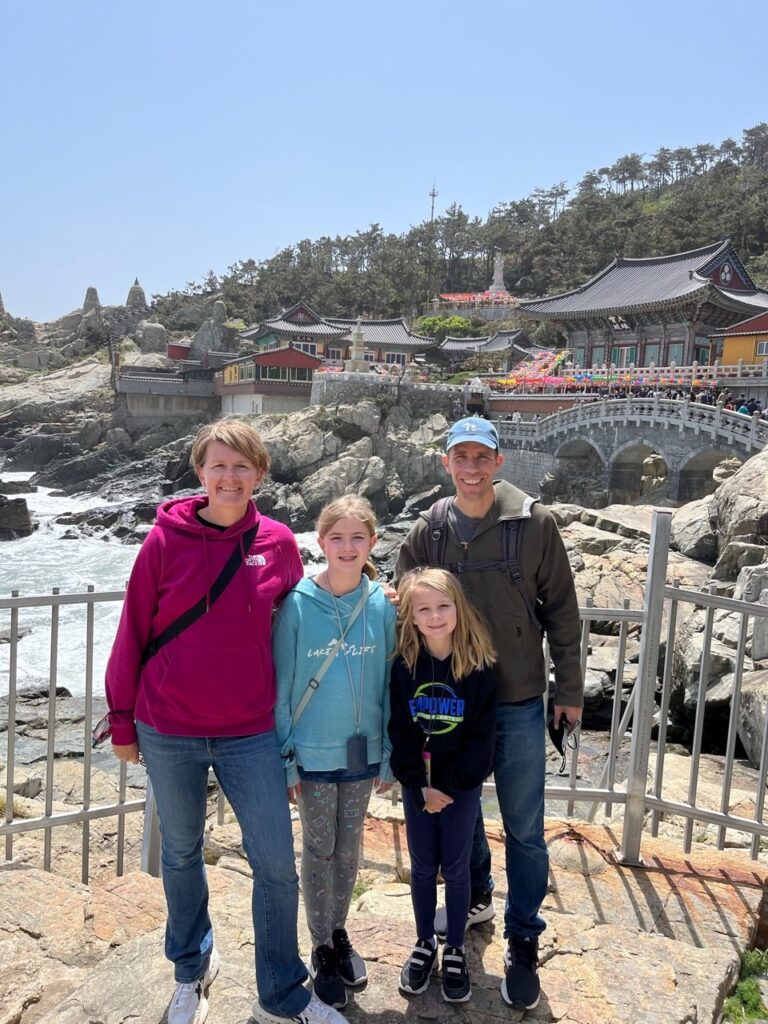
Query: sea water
x=49 y=558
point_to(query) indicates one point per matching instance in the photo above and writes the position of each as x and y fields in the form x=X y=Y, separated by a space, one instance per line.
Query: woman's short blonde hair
x=235 y=433
x=472 y=644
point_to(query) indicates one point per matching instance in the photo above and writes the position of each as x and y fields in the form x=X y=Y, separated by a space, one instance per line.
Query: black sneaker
x=481 y=909
x=328 y=985
x=350 y=964
x=456 y=986
x=521 y=987
x=417 y=970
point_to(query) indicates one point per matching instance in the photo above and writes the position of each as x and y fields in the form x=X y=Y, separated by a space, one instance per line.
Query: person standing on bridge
x=508 y=555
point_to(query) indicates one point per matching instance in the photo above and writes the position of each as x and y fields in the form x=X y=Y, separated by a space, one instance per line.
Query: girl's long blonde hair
x=356 y=507
x=472 y=644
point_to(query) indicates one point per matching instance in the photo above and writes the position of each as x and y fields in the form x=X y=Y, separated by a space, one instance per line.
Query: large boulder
x=741 y=503
x=15 y=520
x=753 y=708
x=692 y=532
x=151 y=337
x=366 y=476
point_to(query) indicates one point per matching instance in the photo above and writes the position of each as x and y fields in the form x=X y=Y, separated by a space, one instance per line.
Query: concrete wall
x=525 y=469
x=143 y=409
x=348 y=388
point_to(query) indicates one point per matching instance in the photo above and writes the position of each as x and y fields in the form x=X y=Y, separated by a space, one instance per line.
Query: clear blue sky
x=166 y=138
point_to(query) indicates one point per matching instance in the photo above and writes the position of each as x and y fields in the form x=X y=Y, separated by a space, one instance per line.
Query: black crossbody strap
x=192 y=614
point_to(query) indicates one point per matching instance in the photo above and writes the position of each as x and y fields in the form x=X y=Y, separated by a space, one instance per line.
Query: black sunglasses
x=563 y=738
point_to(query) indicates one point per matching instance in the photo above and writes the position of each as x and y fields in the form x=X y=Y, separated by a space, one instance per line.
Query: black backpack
x=512 y=534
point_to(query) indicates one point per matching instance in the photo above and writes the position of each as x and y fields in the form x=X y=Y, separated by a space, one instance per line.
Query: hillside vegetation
x=552 y=240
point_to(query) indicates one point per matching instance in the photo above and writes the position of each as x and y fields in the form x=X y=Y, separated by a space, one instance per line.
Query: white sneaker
x=315 y=1012
x=189 y=1005
x=481 y=909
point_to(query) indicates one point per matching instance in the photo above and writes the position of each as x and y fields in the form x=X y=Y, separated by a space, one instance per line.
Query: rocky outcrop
x=15 y=520
x=753 y=708
x=741 y=504
x=151 y=337
x=692 y=531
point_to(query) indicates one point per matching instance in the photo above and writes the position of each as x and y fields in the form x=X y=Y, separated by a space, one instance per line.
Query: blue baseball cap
x=473 y=428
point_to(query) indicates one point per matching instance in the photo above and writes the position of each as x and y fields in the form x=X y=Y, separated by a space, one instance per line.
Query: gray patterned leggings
x=332 y=818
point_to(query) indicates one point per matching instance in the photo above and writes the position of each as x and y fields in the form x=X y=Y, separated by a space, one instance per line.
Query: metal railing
x=658 y=619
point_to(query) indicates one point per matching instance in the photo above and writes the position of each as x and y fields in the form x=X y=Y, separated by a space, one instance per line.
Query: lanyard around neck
x=357 y=707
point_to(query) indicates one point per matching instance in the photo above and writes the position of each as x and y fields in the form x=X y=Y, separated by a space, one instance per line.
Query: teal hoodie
x=304 y=632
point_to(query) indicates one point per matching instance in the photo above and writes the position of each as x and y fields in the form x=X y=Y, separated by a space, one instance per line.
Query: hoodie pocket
x=216 y=686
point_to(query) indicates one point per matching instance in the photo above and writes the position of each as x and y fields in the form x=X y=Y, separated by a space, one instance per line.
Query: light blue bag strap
x=314 y=682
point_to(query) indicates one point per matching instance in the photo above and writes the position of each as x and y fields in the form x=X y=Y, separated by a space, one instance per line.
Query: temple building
x=508 y=348
x=746 y=341
x=663 y=309
x=329 y=338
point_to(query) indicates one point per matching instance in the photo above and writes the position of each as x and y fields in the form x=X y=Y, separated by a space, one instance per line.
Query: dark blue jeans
x=518 y=771
x=441 y=842
x=251 y=776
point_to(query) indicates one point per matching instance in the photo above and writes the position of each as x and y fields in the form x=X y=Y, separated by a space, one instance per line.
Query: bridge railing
x=629 y=790
x=749 y=432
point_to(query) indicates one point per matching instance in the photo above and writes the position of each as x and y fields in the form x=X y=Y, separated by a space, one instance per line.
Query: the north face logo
x=255 y=560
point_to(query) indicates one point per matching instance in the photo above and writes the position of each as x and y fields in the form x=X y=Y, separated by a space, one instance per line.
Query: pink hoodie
x=216 y=678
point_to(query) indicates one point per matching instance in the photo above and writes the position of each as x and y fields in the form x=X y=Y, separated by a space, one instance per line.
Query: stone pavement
x=654 y=945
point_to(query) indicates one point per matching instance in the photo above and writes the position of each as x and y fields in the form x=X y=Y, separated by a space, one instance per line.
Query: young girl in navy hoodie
x=443 y=732
x=333 y=733
x=205 y=699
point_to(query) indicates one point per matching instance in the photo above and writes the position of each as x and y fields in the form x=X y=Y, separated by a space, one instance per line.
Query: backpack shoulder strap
x=438 y=518
x=512 y=541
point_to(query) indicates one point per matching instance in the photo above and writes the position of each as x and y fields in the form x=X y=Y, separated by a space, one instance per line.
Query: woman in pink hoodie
x=191 y=686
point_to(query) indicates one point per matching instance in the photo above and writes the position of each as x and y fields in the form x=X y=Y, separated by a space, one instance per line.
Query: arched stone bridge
x=608 y=441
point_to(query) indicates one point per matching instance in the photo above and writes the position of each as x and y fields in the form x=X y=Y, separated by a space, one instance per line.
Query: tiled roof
x=498 y=342
x=628 y=284
x=753 y=325
x=302 y=319
x=384 y=333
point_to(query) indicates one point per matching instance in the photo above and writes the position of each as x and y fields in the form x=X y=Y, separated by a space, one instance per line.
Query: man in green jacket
x=540 y=599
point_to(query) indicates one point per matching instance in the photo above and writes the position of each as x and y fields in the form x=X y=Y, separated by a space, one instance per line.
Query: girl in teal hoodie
x=332 y=643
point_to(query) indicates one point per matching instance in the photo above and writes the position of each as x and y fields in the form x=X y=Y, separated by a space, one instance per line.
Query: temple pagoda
x=660 y=310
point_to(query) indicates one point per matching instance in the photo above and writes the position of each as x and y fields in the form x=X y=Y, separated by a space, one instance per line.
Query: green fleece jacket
x=547 y=575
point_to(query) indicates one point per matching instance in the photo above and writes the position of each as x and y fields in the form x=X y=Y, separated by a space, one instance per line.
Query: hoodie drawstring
x=207 y=575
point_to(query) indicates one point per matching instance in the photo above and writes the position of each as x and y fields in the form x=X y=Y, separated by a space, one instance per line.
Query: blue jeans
x=251 y=776
x=518 y=769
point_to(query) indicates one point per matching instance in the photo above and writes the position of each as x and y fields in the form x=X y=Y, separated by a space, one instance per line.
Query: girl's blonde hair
x=235 y=433
x=472 y=644
x=357 y=508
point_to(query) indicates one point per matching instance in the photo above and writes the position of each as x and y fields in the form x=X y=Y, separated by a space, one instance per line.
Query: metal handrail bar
x=57 y=599
x=625 y=614
x=732 y=821
x=705 y=599
x=72 y=817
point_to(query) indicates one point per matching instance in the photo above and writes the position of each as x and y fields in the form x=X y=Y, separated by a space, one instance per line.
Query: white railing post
x=645 y=688
x=150 y=840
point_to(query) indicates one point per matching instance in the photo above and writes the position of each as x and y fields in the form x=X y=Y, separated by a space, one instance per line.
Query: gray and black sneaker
x=521 y=987
x=417 y=970
x=328 y=984
x=481 y=909
x=456 y=986
x=350 y=964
